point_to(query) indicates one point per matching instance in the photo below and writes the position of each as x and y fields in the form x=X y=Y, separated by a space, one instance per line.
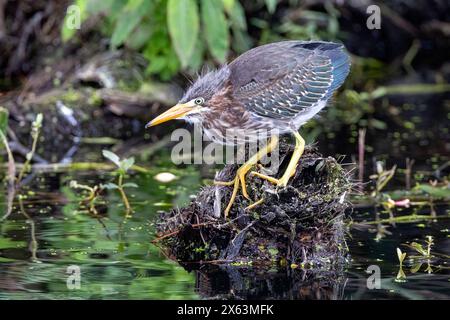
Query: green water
x=117 y=260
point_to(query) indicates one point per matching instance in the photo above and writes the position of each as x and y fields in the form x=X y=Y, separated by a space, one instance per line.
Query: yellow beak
x=173 y=113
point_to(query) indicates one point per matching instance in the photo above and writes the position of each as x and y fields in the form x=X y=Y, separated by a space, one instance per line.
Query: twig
x=167 y=235
x=361 y=149
x=36 y=127
x=2 y=19
x=408 y=171
x=11 y=177
x=124 y=195
x=33 y=241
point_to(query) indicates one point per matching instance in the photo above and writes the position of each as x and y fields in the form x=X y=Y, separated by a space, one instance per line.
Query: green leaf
x=130 y=185
x=228 y=5
x=75 y=14
x=126 y=164
x=110 y=186
x=128 y=21
x=183 y=24
x=4 y=114
x=416 y=267
x=38 y=121
x=401 y=256
x=435 y=192
x=419 y=248
x=216 y=28
x=112 y=157
x=271 y=5
x=140 y=36
x=237 y=17
x=196 y=60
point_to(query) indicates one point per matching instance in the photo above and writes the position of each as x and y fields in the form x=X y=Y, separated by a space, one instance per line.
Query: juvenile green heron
x=269 y=90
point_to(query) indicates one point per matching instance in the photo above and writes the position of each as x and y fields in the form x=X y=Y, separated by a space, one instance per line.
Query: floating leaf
x=435 y=192
x=112 y=157
x=216 y=28
x=183 y=24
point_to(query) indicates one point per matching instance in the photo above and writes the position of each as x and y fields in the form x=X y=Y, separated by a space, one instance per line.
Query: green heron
x=269 y=90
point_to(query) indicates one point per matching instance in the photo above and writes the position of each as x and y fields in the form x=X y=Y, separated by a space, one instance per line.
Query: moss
x=95 y=99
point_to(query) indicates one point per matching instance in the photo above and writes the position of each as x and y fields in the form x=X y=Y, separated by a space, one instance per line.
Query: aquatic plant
x=93 y=194
x=123 y=165
x=382 y=177
x=11 y=175
x=13 y=182
x=401 y=277
x=424 y=252
x=35 y=130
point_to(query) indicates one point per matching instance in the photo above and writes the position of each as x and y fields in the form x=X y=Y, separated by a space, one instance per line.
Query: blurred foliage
x=184 y=34
x=167 y=32
x=4 y=114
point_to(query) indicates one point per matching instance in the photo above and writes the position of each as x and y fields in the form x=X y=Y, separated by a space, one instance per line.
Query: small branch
x=408 y=171
x=170 y=234
x=36 y=127
x=33 y=241
x=361 y=151
x=11 y=177
x=123 y=195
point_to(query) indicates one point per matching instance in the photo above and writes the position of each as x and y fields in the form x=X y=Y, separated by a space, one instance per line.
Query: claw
x=265 y=177
x=224 y=183
x=290 y=170
x=254 y=205
x=233 y=196
x=239 y=179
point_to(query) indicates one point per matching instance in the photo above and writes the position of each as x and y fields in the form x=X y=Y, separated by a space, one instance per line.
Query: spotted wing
x=282 y=80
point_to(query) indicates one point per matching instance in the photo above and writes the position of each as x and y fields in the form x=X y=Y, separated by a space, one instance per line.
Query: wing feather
x=283 y=79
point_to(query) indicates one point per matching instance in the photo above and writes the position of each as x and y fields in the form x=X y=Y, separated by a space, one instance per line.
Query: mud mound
x=301 y=224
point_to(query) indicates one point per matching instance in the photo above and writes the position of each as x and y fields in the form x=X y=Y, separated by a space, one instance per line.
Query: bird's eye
x=199 y=101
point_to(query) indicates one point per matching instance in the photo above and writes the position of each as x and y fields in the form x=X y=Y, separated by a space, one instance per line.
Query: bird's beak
x=173 y=113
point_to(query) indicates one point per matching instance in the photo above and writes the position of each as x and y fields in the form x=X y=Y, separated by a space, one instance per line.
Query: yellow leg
x=254 y=205
x=239 y=180
x=290 y=170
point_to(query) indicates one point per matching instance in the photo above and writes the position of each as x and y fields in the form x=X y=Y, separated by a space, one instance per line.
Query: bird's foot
x=238 y=181
x=281 y=183
x=254 y=205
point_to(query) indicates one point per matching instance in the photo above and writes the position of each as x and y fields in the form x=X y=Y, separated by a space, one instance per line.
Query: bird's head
x=198 y=100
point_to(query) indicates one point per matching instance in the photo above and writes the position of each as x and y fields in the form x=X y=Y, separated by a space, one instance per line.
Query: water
x=117 y=260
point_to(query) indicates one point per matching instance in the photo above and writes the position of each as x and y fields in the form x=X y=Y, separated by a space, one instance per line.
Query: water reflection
x=47 y=231
x=228 y=282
